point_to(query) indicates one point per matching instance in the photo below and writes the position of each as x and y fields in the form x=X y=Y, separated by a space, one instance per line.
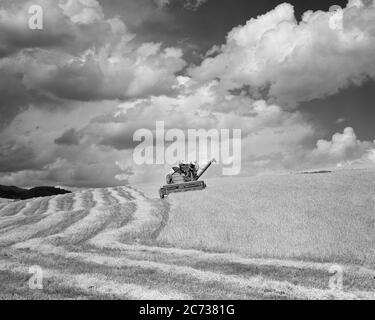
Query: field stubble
x=254 y=238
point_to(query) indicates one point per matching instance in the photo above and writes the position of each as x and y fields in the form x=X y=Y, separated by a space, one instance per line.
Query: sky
x=296 y=77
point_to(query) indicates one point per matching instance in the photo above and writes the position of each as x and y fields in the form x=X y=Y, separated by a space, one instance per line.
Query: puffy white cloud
x=93 y=143
x=109 y=73
x=290 y=62
x=196 y=107
x=56 y=80
x=82 y=11
x=70 y=129
x=342 y=148
x=98 y=150
x=79 y=55
x=81 y=171
x=272 y=138
x=371 y=155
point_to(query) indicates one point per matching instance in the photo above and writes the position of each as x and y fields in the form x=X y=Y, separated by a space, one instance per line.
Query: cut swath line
x=231 y=258
x=125 y=192
x=50 y=221
x=12 y=209
x=27 y=232
x=258 y=284
x=43 y=207
x=142 y=225
x=53 y=205
x=97 y=283
x=25 y=209
x=97 y=220
x=5 y=223
x=119 y=195
x=32 y=208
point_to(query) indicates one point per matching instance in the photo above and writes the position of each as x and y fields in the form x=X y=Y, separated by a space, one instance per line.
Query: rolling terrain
x=269 y=238
x=15 y=193
x=324 y=217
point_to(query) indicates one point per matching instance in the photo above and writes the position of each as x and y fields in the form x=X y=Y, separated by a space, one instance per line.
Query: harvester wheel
x=162 y=195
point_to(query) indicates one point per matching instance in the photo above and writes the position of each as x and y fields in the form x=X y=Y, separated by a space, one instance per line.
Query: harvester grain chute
x=185 y=178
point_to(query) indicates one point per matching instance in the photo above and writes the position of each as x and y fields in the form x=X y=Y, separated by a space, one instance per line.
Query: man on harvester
x=184 y=178
x=190 y=170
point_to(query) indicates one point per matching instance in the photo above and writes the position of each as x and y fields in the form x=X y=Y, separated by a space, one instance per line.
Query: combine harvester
x=184 y=178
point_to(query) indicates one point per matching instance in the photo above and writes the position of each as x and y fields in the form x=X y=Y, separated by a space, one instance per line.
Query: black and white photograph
x=185 y=151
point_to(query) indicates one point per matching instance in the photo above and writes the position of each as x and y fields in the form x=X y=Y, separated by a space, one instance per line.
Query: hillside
x=271 y=237
x=15 y=193
x=329 y=216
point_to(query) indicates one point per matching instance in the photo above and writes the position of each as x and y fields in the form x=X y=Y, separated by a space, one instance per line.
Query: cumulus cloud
x=30 y=155
x=107 y=74
x=79 y=55
x=104 y=156
x=82 y=11
x=80 y=171
x=274 y=139
x=72 y=96
x=371 y=155
x=270 y=134
x=290 y=62
x=196 y=107
x=344 y=147
x=75 y=69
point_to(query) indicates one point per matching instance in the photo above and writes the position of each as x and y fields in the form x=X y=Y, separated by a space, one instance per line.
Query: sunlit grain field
x=255 y=238
x=320 y=217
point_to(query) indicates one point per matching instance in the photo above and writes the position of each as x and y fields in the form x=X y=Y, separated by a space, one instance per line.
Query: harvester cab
x=185 y=177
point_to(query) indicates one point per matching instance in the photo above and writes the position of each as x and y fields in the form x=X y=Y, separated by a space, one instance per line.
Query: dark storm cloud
x=115 y=132
x=135 y=12
x=14 y=157
x=69 y=138
x=122 y=141
x=76 y=81
x=13 y=41
x=187 y=4
x=13 y=96
x=16 y=95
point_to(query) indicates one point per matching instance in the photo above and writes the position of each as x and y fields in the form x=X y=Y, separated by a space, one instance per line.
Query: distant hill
x=15 y=193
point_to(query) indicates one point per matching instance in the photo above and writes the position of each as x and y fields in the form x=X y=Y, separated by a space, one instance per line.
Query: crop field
x=328 y=217
x=273 y=237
